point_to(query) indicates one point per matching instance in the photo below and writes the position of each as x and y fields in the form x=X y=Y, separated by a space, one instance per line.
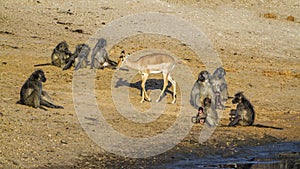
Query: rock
x=290 y=18
x=63 y=142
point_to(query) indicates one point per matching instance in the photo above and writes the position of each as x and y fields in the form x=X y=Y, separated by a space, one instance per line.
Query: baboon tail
x=264 y=126
x=43 y=64
x=19 y=102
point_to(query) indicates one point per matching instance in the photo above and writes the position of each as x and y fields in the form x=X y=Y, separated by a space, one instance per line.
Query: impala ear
x=122 y=54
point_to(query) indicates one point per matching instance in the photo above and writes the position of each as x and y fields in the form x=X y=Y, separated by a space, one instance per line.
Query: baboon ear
x=34 y=75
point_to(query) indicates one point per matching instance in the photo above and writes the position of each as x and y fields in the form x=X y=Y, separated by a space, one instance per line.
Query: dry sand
x=258 y=43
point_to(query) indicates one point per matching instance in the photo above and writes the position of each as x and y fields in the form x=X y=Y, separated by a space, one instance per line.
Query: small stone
x=290 y=18
x=63 y=142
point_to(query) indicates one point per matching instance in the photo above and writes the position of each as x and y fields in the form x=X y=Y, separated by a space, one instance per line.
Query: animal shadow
x=151 y=84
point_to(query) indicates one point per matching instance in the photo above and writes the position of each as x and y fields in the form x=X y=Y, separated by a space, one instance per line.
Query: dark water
x=272 y=156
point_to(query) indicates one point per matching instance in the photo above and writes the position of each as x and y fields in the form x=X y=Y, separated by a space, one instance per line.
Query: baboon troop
x=64 y=58
x=100 y=57
x=244 y=113
x=32 y=93
x=208 y=92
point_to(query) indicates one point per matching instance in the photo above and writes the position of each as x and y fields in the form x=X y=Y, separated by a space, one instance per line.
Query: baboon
x=32 y=93
x=200 y=117
x=218 y=101
x=60 y=55
x=210 y=112
x=244 y=113
x=79 y=57
x=100 y=57
x=219 y=83
x=202 y=89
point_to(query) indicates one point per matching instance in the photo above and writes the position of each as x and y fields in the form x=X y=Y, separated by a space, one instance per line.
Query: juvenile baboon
x=218 y=101
x=219 y=83
x=32 y=93
x=61 y=54
x=244 y=113
x=210 y=112
x=202 y=89
x=200 y=117
x=80 y=57
x=100 y=57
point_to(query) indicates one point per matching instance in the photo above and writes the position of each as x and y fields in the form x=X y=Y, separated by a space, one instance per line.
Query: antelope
x=151 y=64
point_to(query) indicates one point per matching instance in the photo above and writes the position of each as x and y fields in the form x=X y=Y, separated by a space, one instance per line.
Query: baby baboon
x=100 y=57
x=202 y=89
x=32 y=93
x=200 y=117
x=219 y=83
x=79 y=57
x=210 y=112
x=61 y=54
x=244 y=113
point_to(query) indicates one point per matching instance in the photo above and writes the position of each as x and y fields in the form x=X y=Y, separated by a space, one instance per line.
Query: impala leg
x=165 y=77
x=174 y=88
x=144 y=93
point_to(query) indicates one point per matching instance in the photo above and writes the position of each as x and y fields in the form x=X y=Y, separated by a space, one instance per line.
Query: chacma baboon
x=210 y=112
x=202 y=89
x=218 y=101
x=219 y=84
x=100 y=57
x=200 y=117
x=244 y=113
x=80 y=57
x=32 y=93
x=60 y=55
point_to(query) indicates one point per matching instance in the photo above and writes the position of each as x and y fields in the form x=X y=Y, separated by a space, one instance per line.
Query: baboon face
x=101 y=43
x=38 y=75
x=63 y=47
x=204 y=75
x=219 y=72
x=238 y=98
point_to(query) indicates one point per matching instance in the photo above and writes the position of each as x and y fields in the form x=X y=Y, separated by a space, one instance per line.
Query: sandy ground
x=258 y=43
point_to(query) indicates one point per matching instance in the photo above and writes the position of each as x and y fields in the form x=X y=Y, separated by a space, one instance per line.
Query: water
x=284 y=155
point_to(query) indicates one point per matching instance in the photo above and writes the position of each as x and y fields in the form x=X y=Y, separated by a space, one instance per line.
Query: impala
x=151 y=64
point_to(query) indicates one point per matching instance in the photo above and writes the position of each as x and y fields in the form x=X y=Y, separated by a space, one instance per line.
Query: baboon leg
x=235 y=121
x=144 y=93
x=174 y=88
x=78 y=65
x=218 y=101
x=56 y=61
x=33 y=100
x=165 y=76
x=50 y=105
x=70 y=62
x=45 y=96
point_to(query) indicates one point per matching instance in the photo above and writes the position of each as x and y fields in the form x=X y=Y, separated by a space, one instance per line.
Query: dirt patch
x=261 y=58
